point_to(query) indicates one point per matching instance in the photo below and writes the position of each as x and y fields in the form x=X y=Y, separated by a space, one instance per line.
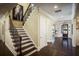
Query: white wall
x=58 y=29
x=46 y=28
x=50 y=30
x=43 y=41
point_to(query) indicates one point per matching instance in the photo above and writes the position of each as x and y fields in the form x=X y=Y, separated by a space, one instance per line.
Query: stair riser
x=18 y=36
x=24 y=47
x=15 y=41
x=22 y=43
x=27 y=46
x=29 y=52
x=17 y=31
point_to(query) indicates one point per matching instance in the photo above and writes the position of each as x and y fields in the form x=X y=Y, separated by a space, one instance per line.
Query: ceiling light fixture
x=55 y=7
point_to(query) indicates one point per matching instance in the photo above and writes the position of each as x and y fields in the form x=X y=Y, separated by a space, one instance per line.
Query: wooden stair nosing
x=17 y=33
x=23 y=38
x=26 y=52
x=31 y=53
x=18 y=36
x=26 y=49
x=18 y=44
x=23 y=47
x=17 y=40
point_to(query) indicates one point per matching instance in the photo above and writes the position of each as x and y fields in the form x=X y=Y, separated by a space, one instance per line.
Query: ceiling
x=64 y=14
x=4 y=7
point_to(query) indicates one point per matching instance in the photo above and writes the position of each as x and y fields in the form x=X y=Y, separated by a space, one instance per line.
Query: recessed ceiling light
x=57 y=9
x=55 y=6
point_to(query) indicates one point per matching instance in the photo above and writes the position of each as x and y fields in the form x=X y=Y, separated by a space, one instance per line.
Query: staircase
x=22 y=42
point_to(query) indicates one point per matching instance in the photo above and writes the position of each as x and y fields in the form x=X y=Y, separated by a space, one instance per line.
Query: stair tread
x=17 y=40
x=16 y=36
x=18 y=33
x=24 y=47
x=23 y=38
x=31 y=52
x=16 y=28
x=24 y=50
x=27 y=46
x=18 y=44
x=28 y=52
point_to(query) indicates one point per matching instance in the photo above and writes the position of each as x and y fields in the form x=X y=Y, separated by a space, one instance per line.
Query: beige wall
x=1 y=30
x=77 y=37
x=32 y=26
x=77 y=34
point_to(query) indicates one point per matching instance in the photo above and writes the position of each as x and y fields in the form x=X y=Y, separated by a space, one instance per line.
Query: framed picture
x=18 y=13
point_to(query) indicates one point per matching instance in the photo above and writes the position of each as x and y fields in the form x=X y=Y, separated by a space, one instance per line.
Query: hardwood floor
x=4 y=51
x=56 y=49
x=77 y=50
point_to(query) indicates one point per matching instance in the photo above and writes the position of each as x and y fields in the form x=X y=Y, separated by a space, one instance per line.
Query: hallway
x=40 y=28
x=56 y=49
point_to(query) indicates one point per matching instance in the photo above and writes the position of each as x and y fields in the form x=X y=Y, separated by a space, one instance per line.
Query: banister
x=20 y=46
x=27 y=12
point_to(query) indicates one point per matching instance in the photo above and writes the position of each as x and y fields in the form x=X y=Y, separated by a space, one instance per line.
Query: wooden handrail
x=20 y=46
x=27 y=9
x=27 y=12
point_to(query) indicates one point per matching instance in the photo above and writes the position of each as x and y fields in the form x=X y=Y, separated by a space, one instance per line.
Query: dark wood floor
x=77 y=50
x=56 y=49
x=4 y=51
